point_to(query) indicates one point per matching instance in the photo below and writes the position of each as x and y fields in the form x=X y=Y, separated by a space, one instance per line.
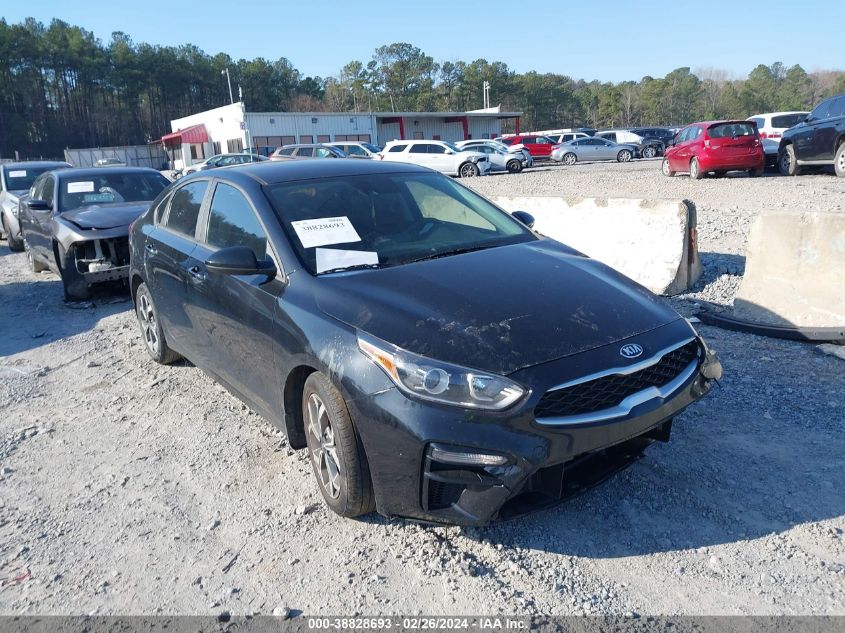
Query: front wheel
x=336 y=453
x=468 y=170
x=569 y=158
x=649 y=152
x=838 y=161
x=787 y=163
x=666 y=169
x=514 y=166
x=695 y=170
x=624 y=156
x=34 y=265
x=15 y=243
x=151 y=330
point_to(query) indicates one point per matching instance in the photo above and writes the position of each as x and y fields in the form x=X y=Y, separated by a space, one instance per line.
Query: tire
x=649 y=152
x=569 y=159
x=468 y=170
x=75 y=286
x=694 y=170
x=787 y=163
x=838 y=161
x=151 y=331
x=667 y=171
x=514 y=166
x=34 y=265
x=624 y=156
x=15 y=243
x=335 y=451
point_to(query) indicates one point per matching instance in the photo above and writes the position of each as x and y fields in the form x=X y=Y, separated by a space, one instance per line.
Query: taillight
x=764 y=135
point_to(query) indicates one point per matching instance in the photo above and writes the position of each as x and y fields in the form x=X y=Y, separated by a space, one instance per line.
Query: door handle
x=152 y=250
x=197 y=272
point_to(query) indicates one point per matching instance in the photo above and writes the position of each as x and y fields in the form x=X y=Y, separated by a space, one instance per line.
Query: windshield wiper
x=454 y=251
x=343 y=269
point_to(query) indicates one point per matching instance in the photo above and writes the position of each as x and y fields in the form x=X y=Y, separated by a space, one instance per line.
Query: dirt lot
x=131 y=488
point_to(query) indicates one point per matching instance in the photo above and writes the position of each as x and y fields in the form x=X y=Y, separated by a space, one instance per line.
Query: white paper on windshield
x=325 y=231
x=80 y=187
x=329 y=258
x=20 y=173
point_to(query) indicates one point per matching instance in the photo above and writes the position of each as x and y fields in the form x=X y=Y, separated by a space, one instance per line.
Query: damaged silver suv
x=76 y=223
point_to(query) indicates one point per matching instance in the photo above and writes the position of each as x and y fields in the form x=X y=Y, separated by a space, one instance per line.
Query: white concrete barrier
x=653 y=242
x=794 y=270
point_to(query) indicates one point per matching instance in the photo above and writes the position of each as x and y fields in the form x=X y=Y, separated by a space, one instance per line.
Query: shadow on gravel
x=34 y=314
x=713 y=265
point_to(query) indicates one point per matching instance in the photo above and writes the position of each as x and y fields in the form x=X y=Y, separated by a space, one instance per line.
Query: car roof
x=771 y=114
x=36 y=163
x=82 y=172
x=274 y=172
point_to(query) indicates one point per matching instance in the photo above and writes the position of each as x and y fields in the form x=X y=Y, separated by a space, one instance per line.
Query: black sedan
x=438 y=359
x=76 y=221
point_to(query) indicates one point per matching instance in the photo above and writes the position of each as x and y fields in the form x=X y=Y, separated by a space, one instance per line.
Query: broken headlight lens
x=440 y=382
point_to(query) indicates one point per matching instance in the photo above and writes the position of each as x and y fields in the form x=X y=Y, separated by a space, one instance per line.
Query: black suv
x=819 y=140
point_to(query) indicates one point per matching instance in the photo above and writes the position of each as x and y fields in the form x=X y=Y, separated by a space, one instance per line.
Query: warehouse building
x=232 y=129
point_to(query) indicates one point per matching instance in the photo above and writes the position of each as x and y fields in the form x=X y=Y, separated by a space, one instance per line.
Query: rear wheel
x=624 y=156
x=838 y=161
x=666 y=169
x=695 y=170
x=787 y=163
x=468 y=170
x=569 y=158
x=649 y=152
x=335 y=449
x=151 y=330
x=514 y=166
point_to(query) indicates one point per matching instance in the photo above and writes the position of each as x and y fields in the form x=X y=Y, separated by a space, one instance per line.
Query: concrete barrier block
x=794 y=267
x=651 y=241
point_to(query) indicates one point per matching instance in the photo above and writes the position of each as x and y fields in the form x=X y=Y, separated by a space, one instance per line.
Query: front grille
x=609 y=391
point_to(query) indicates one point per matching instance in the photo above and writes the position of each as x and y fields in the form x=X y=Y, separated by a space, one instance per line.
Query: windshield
x=387 y=220
x=110 y=187
x=21 y=178
x=451 y=146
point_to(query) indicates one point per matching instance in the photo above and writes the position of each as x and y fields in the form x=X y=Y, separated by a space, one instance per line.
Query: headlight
x=440 y=382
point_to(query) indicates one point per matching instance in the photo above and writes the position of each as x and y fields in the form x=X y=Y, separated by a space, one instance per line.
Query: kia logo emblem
x=631 y=350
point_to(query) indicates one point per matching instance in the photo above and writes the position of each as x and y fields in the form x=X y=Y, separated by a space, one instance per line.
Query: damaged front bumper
x=428 y=465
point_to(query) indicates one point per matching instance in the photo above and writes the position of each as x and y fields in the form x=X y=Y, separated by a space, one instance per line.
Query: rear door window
x=419 y=148
x=232 y=222
x=307 y=152
x=185 y=205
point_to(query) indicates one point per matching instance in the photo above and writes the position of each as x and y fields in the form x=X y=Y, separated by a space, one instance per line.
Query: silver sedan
x=592 y=148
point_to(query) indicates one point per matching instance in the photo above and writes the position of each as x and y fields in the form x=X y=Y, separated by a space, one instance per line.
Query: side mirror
x=448 y=151
x=526 y=218
x=39 y=205
x=239 y=260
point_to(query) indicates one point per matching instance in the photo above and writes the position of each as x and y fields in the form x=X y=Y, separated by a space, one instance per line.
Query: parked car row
x=793 y=140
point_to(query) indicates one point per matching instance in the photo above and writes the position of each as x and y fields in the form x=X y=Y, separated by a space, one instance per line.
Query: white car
x=438 y=155
x=516 y=148
x=357 y=149
x=568 y=136
x=499 y=160
x=771 y=127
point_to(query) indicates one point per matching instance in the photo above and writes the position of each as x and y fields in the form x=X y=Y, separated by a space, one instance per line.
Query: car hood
x=499 y=309
x=106 y=216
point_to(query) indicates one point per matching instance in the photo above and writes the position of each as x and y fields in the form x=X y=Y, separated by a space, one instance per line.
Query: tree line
x=63 y=87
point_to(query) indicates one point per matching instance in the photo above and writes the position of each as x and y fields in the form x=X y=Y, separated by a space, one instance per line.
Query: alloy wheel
x=569 y=159
x=147 y=317
x=323 y=447
x=649 y=152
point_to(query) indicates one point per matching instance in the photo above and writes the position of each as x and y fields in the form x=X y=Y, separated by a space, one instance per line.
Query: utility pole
x=485 y=91
x=225 y=71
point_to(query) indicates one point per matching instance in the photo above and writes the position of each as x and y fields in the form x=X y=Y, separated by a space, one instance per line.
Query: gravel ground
x=132 y=488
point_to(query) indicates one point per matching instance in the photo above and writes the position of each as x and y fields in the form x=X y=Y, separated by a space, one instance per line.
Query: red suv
x=538 y=146
x=718 y=147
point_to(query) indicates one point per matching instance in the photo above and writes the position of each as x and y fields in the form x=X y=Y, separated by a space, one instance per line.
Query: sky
x=608 y=40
